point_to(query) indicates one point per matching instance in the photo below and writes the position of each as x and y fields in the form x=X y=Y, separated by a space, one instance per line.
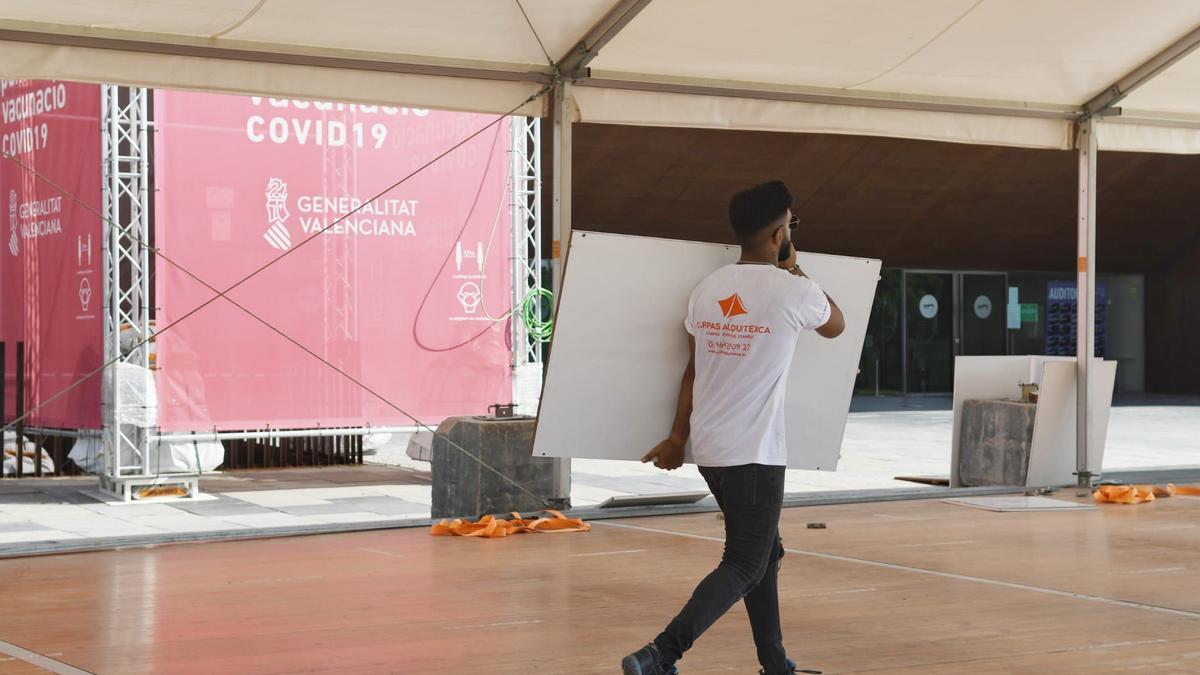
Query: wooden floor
x=901 y=587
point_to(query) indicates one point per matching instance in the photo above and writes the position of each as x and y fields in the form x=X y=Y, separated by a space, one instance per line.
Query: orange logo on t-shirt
x=732 y=306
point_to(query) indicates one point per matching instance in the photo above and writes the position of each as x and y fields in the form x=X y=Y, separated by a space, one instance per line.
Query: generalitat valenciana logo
x=277 y=234
x=14 y=246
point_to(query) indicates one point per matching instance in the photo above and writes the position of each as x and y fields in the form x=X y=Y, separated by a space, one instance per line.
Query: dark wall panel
x=915 y=204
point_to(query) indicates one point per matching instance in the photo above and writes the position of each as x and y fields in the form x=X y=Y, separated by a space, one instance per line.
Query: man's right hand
x=666 y=455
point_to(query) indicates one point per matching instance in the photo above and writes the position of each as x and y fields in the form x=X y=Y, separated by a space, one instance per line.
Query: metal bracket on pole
x=1085 y=298
x=573 y=64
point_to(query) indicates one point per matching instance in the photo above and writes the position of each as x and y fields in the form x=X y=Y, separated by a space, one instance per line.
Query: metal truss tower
x=128 y=418
x=526 y=191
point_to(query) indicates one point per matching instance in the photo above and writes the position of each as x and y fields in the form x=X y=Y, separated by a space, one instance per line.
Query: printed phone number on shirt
x=731 y=348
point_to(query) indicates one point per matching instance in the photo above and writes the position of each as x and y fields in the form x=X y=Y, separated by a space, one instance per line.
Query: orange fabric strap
x=1138 y=494
x=491 y=527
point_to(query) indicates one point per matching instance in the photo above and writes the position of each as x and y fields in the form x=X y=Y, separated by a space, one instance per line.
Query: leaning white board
x=1052 y=449
x=620 y=348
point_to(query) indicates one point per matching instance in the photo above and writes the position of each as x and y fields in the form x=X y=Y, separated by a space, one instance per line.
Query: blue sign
x=1061 y=320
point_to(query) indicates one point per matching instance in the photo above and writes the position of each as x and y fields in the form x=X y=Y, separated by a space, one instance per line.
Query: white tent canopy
x=1008 y=72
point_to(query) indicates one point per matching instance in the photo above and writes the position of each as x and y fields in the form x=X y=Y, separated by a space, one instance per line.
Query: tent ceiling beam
x=832 y=97
x=573 y=64
x=1107 y=99
x=504 y=72
x=1173 y=120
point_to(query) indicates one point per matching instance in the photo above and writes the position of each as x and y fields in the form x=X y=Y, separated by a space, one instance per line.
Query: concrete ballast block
x=995 y=441
x=462 y=487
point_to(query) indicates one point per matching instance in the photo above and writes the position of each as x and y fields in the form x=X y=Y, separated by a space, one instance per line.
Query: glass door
x=879 y=369
x=983 y=322
x=929 y=332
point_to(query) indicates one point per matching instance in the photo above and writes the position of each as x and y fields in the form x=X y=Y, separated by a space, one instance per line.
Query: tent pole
x=563 y=118
x=1085 y=298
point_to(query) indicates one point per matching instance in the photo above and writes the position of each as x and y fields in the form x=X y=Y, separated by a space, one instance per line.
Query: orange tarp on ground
x=1136 y=494
x=490 y=526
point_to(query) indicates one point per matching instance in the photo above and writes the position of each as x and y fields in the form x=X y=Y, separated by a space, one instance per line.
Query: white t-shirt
x=746 y=320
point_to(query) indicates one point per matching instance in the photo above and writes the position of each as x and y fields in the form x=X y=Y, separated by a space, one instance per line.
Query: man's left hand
x=666 y=455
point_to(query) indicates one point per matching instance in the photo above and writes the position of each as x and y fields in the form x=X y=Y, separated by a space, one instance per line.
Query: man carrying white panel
x=743 y=322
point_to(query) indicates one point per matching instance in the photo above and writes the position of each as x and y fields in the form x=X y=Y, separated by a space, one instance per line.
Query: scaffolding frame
x=526 y=211
x=125 y=152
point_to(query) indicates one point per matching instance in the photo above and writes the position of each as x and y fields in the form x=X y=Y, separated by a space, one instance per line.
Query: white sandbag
x=177 y=457
x=165 y=457
x=375 y=441
x=88 y=455
x=29 y=451
x=420 y=446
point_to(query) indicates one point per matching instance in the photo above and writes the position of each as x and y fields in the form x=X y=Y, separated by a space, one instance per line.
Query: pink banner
x=410 y=295
x=50 y=247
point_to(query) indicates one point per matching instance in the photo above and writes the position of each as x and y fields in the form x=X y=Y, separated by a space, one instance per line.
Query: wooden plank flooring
x=901 y=587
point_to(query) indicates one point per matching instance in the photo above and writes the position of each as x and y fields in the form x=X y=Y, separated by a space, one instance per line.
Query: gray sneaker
x=647 y=661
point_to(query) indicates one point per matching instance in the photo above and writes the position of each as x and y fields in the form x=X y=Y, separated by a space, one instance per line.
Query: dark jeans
x=750 y=496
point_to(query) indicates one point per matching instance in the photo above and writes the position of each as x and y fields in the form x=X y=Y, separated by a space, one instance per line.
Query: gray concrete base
x=995 y=442
x=463 y=483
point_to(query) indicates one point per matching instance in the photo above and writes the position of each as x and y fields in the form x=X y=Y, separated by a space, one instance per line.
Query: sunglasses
x=793 y=223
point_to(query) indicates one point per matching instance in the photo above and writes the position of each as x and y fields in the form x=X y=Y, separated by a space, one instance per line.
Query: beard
x=785 y=250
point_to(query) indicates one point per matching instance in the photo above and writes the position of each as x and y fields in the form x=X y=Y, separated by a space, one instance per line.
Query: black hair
x=754 y=209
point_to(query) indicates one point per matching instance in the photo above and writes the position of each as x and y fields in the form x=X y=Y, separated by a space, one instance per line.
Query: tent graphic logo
x=732 y=306
x=14 y=246
x=277 y=234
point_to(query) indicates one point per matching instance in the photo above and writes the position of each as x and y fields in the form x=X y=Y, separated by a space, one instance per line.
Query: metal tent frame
x=126 y=126
x=573 y=71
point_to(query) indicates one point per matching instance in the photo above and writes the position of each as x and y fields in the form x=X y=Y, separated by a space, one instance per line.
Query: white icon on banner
x=83 y=250
x=277 y=234
x=85 y=293
x=13 y=242
x=461 y=254
x=470 y=296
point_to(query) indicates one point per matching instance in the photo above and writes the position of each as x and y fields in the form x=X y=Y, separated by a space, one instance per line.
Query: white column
x=1085 y=296
x=563 y=118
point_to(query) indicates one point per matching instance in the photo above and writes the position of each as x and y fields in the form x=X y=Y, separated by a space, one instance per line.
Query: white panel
x=982 y=377
x=991 y=377
x=620 y=348
x=1135 y=137
x=285 y=81
x=1052 y=456
x=615 y=106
